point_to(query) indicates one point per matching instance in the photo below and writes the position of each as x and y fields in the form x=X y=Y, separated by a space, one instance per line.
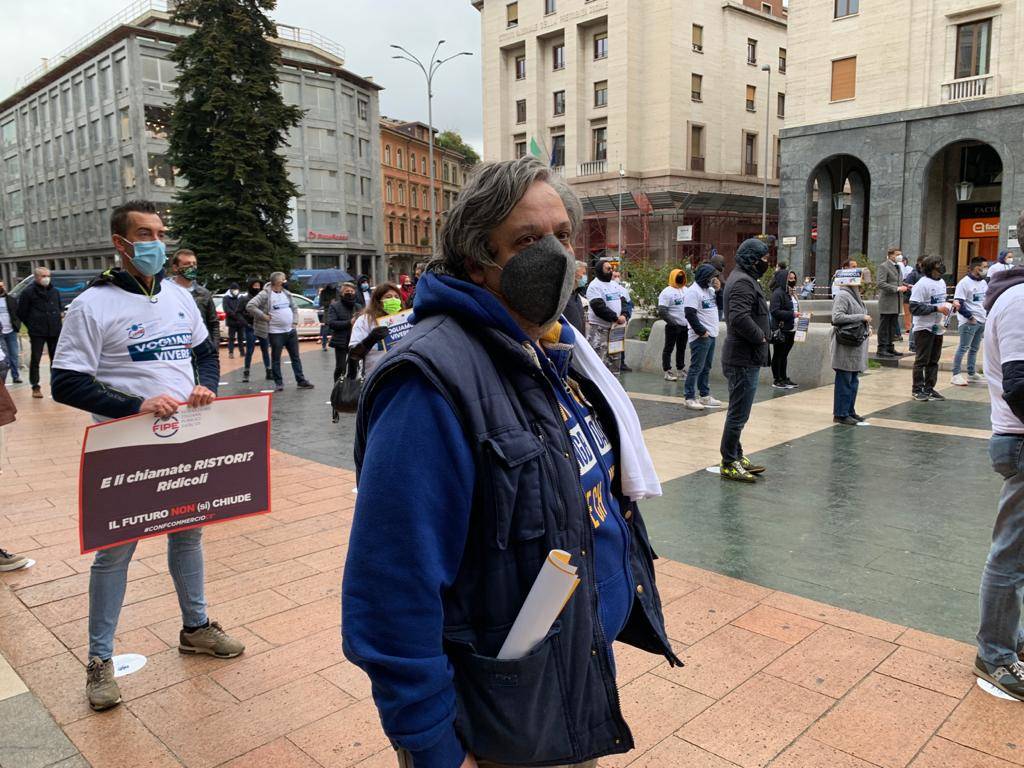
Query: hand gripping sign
x=144 y=476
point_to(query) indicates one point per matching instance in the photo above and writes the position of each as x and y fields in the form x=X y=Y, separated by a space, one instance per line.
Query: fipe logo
x=167 y=427
x=136 y=332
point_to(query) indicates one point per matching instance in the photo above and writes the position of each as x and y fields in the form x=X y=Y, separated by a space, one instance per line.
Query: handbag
x=852 y=334
x=345 y=395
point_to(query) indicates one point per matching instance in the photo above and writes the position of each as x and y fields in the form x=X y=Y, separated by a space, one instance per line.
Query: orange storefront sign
x=972 y=228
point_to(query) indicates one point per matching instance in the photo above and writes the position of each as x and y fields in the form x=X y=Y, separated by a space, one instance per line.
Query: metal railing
x=139 y=9
x=965 y=88
x=593 y=168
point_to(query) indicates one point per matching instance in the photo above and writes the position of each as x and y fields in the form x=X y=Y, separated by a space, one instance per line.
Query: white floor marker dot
x=28 y=564
x=266 y=391
x=128 y=663
x=864 y=424
x=991 y=690
x=715 y=470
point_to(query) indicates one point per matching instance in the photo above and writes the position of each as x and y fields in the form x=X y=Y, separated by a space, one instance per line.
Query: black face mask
x=348 y=299
x=537 y=281
x=792 y=283
x=761 y=267
x=253 y=291
x=603 y=276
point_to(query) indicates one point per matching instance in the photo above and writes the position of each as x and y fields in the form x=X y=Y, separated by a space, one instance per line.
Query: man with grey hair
x=276 y=318
x=522 y=444
x=39 y=309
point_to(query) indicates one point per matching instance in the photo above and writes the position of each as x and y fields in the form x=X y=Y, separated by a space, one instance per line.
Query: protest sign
x=398 y=326
x=146 y=476
x=803 y=324
x=853 y=276
x=616 y=339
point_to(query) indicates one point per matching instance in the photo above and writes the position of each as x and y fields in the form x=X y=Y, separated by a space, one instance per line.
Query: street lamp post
x=428 y=73
x=767 y=135
x=622 y=253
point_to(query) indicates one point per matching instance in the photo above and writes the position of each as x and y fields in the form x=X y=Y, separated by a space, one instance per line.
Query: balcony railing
x=966 y=88
x=593 y=168
x=750 y=169
x=696 y=163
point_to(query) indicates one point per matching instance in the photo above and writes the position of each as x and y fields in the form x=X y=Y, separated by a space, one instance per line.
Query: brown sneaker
x=100 y=686
x=9 y=562
x=37 y=393
x=211 y=639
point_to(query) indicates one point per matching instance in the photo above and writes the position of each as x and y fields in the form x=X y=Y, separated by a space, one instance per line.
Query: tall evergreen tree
x=227 y=127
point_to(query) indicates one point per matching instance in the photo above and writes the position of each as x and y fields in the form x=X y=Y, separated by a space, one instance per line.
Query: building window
x=128 y=172
x=696 y=86
x=389 y=191
x=391 y=231
x=520 y=67
x=844 y=79
x=512 y=14
x=18 y=237
x=696 y=147
x=778 y=158
x=363 y=108
x=559 y=103
x=698 y=38
x=423 y=165
x=751 y=51
x=124 y=118
x=521 y=111
x=767 y=8
x=401 y=194
x=601 y=46
x=751 y=98
x=415 y=232
x=412 y=162
x=558 y=151
x=601 y=93
x=364 y=146
x=973 y=48
x=398 y=160
x=314 y=97
x=549 y=6
x=158 y=73
x=401 y=232
x=601 y=143
x=158 y=121
x=350 y=182
x=782 y=105
x=782 y=61
x=367 y=228
x=846 y=8
x=558 y=56
x=520 y=147
x=750 y=154
x=162 y=173
x=414 y=195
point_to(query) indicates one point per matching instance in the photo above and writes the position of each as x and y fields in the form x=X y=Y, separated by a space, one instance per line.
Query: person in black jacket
x=39 y=308
x=251 y=339
x=232 y=304
x=339 y=319
x=744 y=354
x=10 y=325
x=327 y=296
x=574 y=309
x=783 y=311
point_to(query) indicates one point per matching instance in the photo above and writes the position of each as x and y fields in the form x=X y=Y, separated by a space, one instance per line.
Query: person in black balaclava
x=251 y=339
x=744 y=354
x=605 y=298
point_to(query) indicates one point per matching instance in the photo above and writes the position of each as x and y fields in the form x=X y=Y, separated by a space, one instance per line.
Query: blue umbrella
x=329 y=277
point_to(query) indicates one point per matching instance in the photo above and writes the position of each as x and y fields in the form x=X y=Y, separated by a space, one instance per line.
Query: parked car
x=70 y=283
x=309 y=322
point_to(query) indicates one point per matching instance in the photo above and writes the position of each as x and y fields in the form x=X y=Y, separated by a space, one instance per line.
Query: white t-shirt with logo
x=971 y=294
x=360 y=330
x=282 y=319
x=5 y=317
x=702 y=300
x=612 y=293
x=672 y=299
x=998 y=267
x=130 y=343
x=929 y=291
x=1004 y=343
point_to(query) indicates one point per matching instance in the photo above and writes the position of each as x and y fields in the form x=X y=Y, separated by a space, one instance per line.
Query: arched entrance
x=963 y=189
x=839 y=196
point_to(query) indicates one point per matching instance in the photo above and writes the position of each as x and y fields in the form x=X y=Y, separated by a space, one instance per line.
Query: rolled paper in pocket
x=550 y=592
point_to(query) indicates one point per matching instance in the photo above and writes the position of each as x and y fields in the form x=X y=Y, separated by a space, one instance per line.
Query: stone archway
x=839 y=213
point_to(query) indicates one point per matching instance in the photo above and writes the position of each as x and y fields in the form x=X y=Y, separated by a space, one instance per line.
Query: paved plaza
x=825 y=615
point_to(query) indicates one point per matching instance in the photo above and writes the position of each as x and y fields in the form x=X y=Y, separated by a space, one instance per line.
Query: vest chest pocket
x=512 y=478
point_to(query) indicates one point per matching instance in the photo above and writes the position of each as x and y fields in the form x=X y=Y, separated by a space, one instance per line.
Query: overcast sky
x=365 y=28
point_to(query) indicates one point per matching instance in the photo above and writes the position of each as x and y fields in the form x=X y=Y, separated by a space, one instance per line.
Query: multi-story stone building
x=405 y=152
x=672 y=93
x=89 y=131
x=904 y=128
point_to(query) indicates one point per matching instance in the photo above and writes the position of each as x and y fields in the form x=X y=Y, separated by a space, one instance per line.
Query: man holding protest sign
x=129 y=345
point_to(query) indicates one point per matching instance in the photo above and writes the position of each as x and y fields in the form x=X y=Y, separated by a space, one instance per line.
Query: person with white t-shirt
x=700 y=305
x=970 y=292
x=1004 y=261
x=929 y=308
x=277 y=318
x=604 y=299
x=671 y=310
x=134 y=343
x=10 y=325
x=1000 y=637
x=365 y=342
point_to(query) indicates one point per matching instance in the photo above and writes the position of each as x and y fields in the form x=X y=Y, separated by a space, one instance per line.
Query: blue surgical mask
x=582 y=282
x=148 y=256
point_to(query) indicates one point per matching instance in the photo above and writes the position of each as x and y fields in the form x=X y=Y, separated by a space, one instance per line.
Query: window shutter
x=844 y=79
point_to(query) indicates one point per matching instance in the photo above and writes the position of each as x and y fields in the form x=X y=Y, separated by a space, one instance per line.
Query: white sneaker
x=975 y=377
x=669 y=376
x=681 y=373
x=709 y=402
x=694 y=405
x=959 y=380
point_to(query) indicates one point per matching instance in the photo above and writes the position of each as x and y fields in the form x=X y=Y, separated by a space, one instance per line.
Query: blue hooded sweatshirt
x=412 y=520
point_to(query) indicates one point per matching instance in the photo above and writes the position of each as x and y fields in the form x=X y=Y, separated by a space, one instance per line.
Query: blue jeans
x=844 y=400
x=11 y=350
x=1002 y=583
x=971 y=335
x=251 y=339
x=702 y=353
x=108 y=580
x=742 y=389
x=278 y=343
